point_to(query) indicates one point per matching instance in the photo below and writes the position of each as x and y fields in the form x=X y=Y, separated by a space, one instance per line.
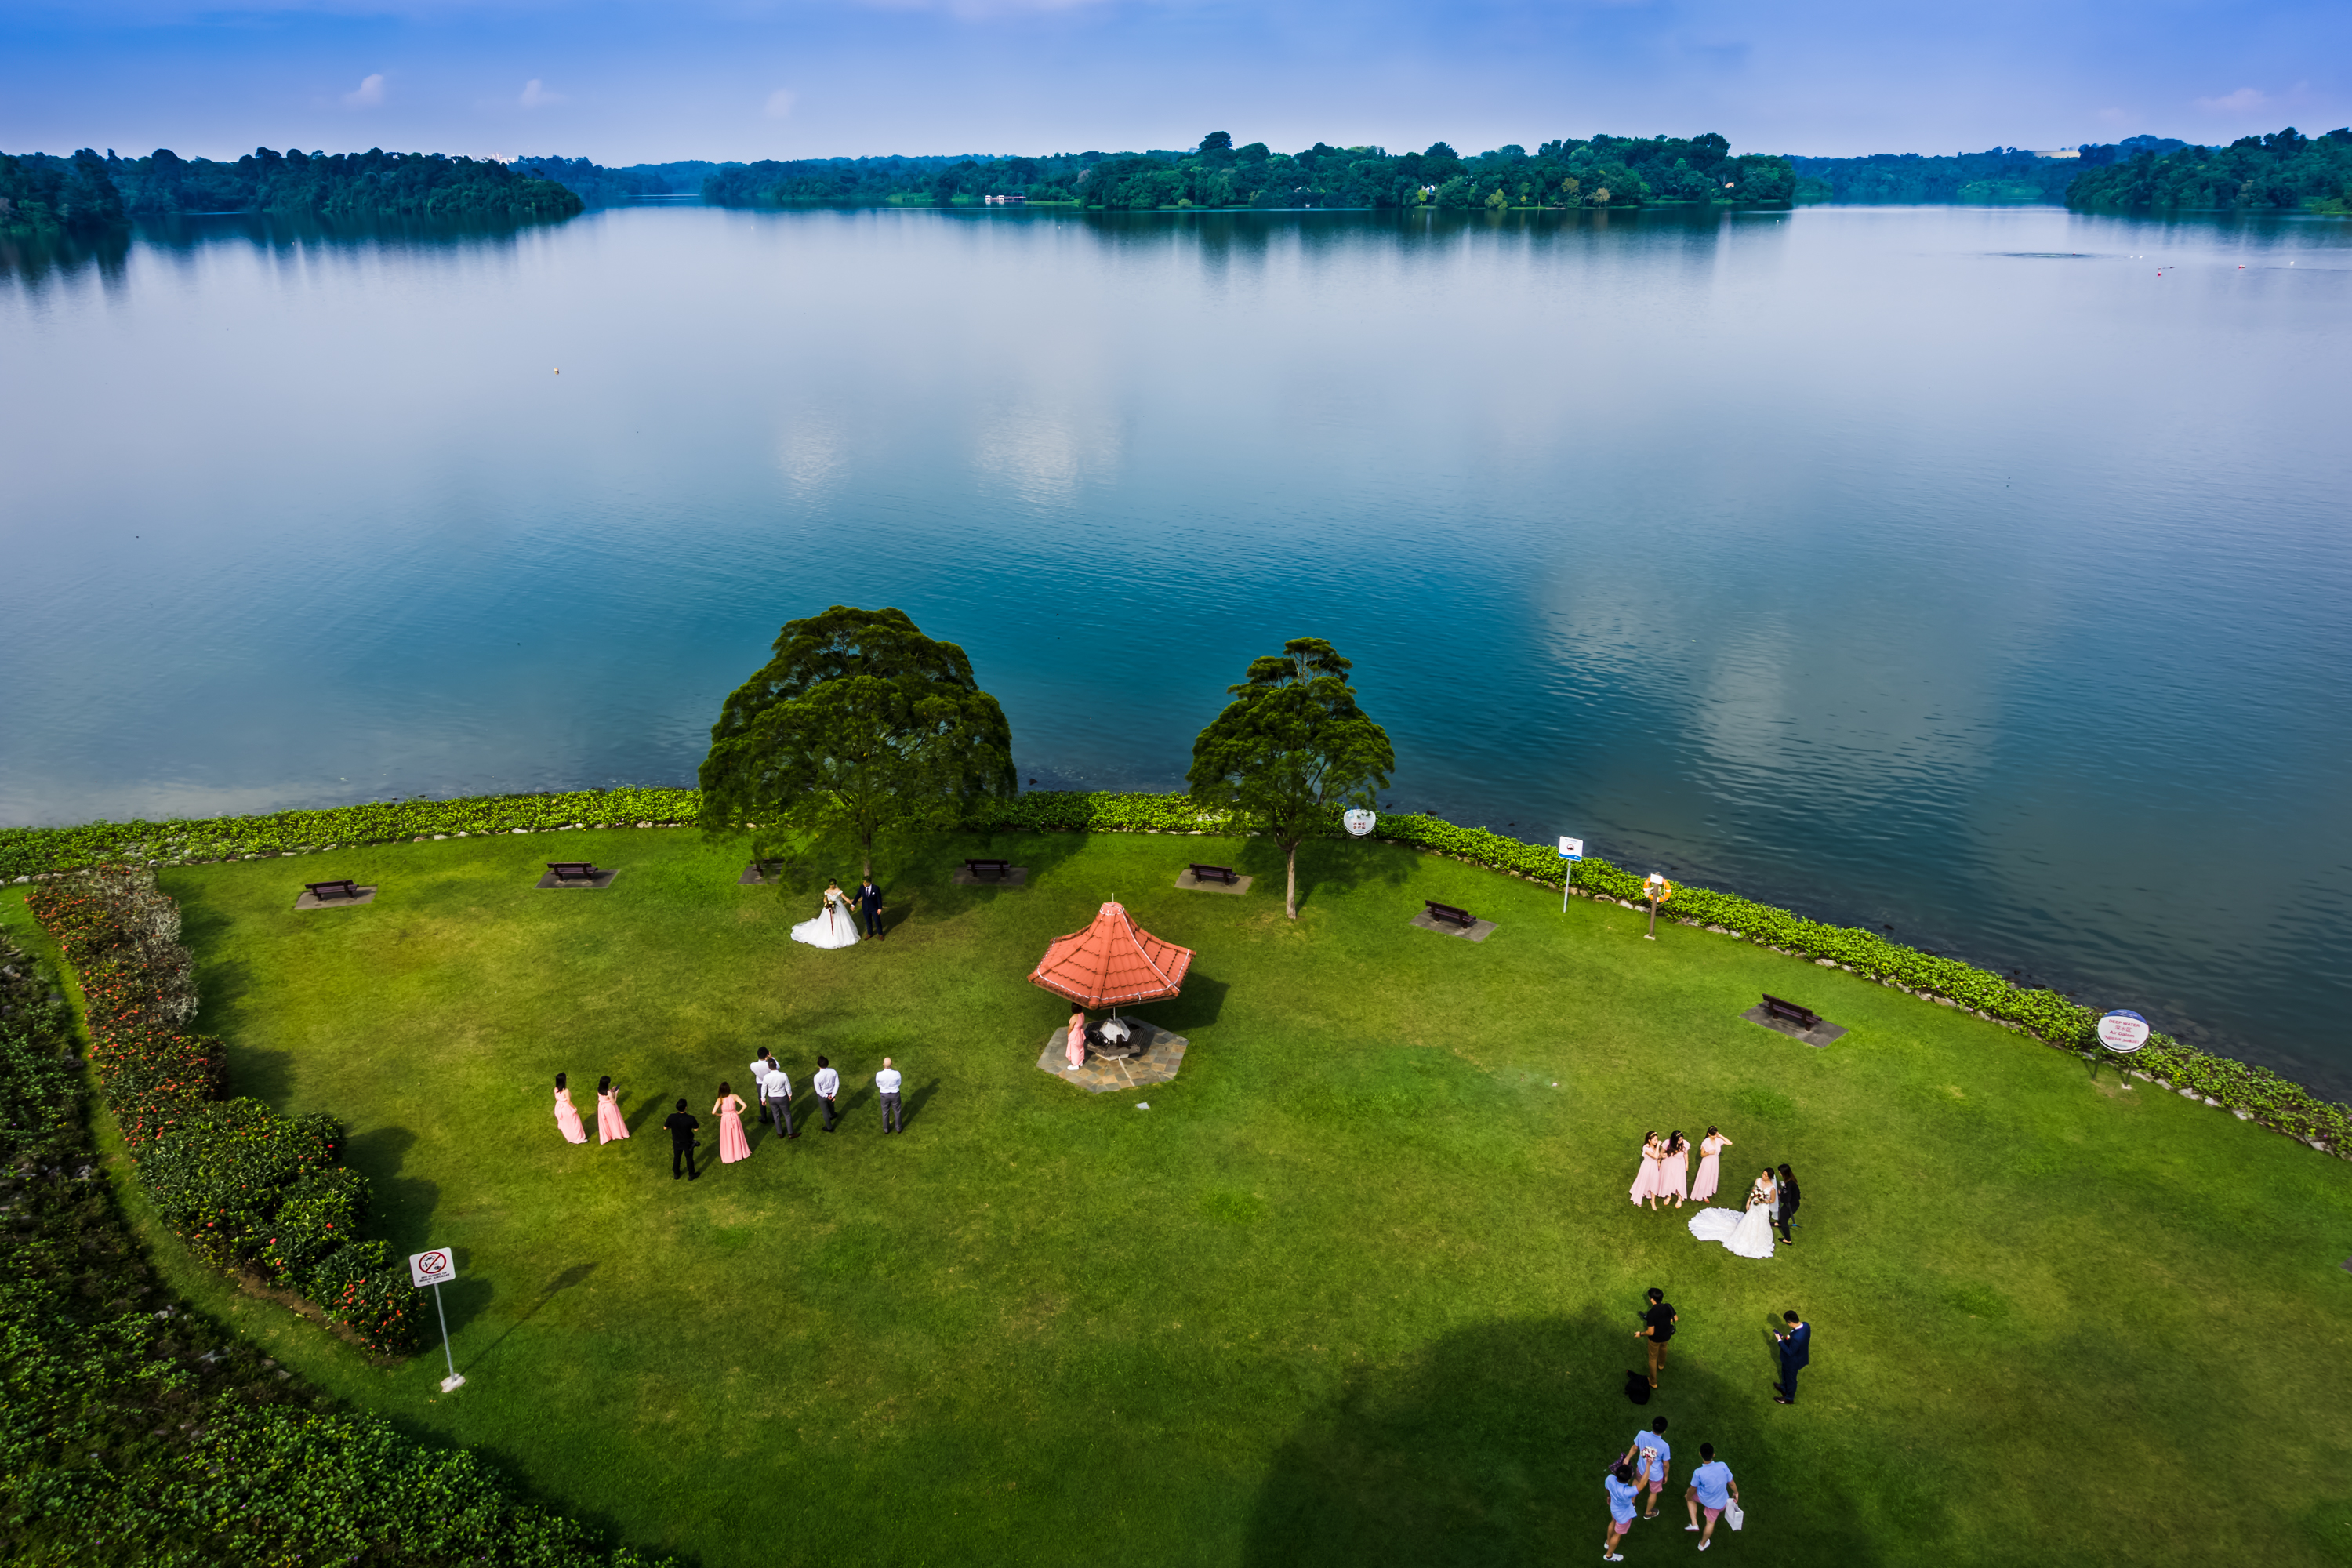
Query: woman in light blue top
x=1622 y=1489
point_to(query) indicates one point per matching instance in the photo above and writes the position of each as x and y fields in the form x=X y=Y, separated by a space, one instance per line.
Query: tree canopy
x=1603 y=172
x=86 y=191
x=1291 y=745
x=859 y=726
x=2284 y=169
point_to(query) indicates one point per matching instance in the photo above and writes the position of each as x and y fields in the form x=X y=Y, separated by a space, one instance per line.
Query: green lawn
x=1360 y=1286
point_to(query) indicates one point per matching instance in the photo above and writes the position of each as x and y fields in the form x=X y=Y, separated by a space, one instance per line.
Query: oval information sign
x=2122 y=1032
x=433 y=1267
x=1359 y=821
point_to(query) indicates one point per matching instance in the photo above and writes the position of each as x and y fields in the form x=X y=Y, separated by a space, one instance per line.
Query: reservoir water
x=1980 y=575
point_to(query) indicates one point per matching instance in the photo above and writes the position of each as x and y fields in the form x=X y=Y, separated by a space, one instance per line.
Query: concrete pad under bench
x=1015 y=878
x=1817 y=1036
x=1476 y=930
x=602 y=880
x=1191 y=884
x=310 y=900
x=753 y=876
x=1163 y=1053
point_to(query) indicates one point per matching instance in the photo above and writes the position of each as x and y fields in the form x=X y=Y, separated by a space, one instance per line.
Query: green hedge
x=246 y=1187
x=28 y=852
x=134 y=1430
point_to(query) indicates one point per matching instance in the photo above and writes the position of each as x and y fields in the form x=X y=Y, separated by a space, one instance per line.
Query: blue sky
x=623 y=82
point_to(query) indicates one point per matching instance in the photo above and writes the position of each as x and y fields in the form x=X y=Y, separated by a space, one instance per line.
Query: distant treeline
x=1605 y=172
x=600 y=186
x=1995 y=175
x=39 y=193
x=2286 y=169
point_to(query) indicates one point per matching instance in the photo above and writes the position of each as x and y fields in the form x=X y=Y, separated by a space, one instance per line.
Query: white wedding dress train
x=835 y=927
x=1749 y=1234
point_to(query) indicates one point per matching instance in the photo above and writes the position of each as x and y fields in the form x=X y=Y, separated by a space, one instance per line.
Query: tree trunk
x=1290 y=898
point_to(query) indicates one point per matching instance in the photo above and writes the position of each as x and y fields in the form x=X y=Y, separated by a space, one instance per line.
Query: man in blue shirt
x=1619 y=1483
x=1711 y=1488
x=1651 y=1459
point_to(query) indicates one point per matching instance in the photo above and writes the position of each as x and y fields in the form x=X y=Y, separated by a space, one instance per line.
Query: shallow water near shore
x=1975 y=573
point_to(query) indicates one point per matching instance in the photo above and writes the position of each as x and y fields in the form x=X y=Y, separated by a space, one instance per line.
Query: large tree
x=859 y=726
x=1290 y=745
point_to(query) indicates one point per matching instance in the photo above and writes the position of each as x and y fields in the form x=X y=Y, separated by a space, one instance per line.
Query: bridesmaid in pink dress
x=1645 y=1185
x=610 y=1123
x=1674 y=1167
x=1713 y=1144
x=732 y=1144
x=566 y=1118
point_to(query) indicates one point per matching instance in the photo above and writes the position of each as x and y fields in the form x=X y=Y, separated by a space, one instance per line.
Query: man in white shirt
x=828 y=1088
x=886 y=1084
x=776 y=1098
x=760 y=1066
x=1711 y=1488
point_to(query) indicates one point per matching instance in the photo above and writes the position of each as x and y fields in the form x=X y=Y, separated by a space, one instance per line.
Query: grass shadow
x=1487 y=1450
x=1199 y=1003
x=910 y=1109
x=400 y=1208
x=575 y=1275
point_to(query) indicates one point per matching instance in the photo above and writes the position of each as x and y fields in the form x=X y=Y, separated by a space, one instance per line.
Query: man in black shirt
x=1657 y=1327
x=682 y=1129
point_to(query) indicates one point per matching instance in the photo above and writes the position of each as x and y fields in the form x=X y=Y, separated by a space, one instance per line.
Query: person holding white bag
x=1712 y=1488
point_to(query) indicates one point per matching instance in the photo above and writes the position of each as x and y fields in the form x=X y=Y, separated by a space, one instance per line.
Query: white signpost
x=1359 y=822
x=1571 y=850
x=437 y=1269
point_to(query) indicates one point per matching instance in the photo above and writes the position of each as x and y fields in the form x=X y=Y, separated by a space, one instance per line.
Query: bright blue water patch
x=1978 y=573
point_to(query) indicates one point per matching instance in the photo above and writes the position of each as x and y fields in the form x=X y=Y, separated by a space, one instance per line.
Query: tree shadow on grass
x=1202 y=998
x=400 y=1208
x=1327 y=866
x=1488 y=1449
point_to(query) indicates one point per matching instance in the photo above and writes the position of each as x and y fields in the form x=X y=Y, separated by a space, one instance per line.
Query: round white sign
x=1359 y=822
x=2122 y=1032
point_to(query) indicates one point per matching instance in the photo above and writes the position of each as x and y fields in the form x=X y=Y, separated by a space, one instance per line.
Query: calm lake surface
x=1978 y=574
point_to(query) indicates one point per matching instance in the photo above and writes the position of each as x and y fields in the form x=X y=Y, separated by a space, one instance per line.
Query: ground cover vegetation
x=1359 y=1285
x=134 y=1429
x=43 y=194
x=2283 y=170
x=1601 y=171
x=2058 y=1020
x=247 y=1188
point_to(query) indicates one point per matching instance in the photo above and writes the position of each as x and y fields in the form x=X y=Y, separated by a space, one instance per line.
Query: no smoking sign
x=435 y=1268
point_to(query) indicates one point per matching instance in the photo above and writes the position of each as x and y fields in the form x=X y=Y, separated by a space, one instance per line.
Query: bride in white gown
x=836 y=924
x=1749 y=1234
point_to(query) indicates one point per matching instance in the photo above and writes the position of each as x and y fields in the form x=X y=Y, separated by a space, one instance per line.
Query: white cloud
x=2243 y=101
x=368 y=94
x=779 y=103
x=535 y=95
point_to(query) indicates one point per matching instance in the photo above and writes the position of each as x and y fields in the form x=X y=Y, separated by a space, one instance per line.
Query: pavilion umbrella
x=1113 y=963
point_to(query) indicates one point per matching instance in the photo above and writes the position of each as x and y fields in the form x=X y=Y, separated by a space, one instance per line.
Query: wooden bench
x=344 y=888
x=1213 y=873
x=573 y=870
x=994 y=870
x=1448 y=913
x=1803 y=1017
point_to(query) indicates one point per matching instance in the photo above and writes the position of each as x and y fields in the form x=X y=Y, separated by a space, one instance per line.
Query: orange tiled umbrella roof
x=1112 y=963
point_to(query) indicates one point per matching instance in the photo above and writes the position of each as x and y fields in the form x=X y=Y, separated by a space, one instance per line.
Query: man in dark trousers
x=1787 y=1205
x=682 y=1129
x=1796 y=1351
x=869 y=904
x=1657 y=1327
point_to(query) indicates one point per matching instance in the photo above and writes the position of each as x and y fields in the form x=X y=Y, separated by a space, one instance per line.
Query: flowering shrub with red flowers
x=244 y=1185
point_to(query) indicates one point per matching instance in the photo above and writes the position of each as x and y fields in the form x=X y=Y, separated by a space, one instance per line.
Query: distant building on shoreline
x=1022 y=201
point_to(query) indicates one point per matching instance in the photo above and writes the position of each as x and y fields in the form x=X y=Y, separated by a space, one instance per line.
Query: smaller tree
x=1291 y=745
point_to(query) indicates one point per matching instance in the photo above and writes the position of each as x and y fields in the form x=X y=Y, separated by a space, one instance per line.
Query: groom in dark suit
x=1796 y=1351
x=869 y=904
